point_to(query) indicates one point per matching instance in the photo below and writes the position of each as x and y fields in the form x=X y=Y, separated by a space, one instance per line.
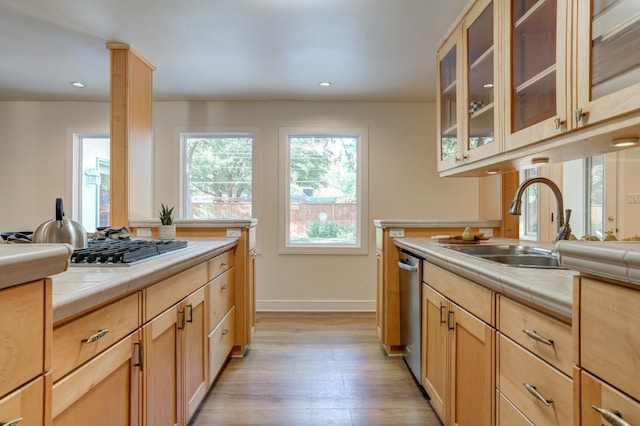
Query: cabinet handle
x=13 y=422
x=457 y=159
x=224 y=286
x=99 y=335
x=559 y=122
x=443 y=318
x=536 y=336
x=533 y=391
x=450 y=320
x=225 y=263
x=579 y=115
x=613 y=417
x=181 y=319
x=140 y=354
x=225 y=331
x=190 y=310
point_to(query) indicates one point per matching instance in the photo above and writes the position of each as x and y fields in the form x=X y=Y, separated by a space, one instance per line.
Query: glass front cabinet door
x=538 y=58
x=447 y=98
x=608 y=60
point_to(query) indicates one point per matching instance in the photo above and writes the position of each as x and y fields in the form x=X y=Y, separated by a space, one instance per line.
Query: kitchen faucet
x=563 y=229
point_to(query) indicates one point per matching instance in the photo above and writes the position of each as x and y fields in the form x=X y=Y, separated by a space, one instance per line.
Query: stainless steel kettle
x=61 y=230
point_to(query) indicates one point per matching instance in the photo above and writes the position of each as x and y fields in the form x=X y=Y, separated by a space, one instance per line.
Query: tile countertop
x=549 y=289
x=82 y=287
x=22 y=263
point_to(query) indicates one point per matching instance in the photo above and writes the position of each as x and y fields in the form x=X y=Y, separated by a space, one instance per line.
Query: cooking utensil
x=61 y=230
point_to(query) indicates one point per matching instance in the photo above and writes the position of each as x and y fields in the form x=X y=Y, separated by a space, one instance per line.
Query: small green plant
x=166 y=215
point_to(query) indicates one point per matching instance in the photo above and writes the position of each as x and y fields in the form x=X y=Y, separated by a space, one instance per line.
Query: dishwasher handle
x=407 y=267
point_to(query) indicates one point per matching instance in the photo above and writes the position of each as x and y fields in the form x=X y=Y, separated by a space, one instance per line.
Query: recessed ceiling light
x=492 y=171
x=325 y=83
x=625 y=142
x=77 y=84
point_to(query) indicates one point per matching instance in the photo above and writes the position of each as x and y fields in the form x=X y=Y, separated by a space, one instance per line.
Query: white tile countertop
x=82 y=287
x=549 y=289
x=618 y=260
x=22 y=263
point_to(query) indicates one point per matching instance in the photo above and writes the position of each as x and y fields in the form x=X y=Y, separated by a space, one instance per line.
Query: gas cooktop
x=122 y=252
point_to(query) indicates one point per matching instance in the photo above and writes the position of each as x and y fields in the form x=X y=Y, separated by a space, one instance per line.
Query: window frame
x=183 y=134
x=362 y=191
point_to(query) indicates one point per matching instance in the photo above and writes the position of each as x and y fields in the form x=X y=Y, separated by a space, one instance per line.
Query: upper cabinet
x=467 y=70
x=521 y=78
x=608 y=60
x=536 y=106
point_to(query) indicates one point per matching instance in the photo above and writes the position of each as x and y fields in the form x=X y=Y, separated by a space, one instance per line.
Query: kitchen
x=397 y=135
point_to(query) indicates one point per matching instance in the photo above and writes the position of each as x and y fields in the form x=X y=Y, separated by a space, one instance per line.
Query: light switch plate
x=233 y=233
x=396 y=233
x=488 y=232
x=143 y=232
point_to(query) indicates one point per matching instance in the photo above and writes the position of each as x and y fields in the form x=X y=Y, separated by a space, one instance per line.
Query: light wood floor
x=315 y=369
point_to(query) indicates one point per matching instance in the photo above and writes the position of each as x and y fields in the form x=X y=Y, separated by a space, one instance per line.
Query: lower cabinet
x=599 y=401
x=25 y=406
x=194 y=351
x=458 y=350
x=104 y=391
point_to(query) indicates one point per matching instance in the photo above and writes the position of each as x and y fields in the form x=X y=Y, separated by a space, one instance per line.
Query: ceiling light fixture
x=540 y=160
x=325 y=83
x=487 y=85
x=492 y=171
x=624 y=142
x=77 y=84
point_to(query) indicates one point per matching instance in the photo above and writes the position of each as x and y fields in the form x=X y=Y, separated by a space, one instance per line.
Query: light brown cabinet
x=25 y=330
x=607 y=350
x=458 y=347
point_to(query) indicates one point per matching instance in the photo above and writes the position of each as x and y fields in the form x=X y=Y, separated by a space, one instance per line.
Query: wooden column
x=131 y=135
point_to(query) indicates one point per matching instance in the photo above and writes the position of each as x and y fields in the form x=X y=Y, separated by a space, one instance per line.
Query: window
x=92 y=180
x=217 y=175
x=594 y=205
x=323 y=190
x=530 y=207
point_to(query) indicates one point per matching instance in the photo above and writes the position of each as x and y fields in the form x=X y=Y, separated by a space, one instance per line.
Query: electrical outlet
x=488 y=232
x=233 y=233
x=396 y=233
x=633 y=197
x=143 y=232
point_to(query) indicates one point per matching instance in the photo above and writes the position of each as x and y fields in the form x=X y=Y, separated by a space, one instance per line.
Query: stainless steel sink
x=512 y=255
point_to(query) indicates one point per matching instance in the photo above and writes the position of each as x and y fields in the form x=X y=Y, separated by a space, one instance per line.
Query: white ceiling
x=371 y=50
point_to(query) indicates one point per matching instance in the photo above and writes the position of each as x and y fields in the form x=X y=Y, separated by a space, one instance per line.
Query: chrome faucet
x=563 y=229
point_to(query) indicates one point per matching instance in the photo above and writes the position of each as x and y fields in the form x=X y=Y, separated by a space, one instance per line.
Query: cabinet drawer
x=22 y=334
x=159 y=297
x=517 y=367
x=221 y=341
x=220 y=297
x=546 y=337
x=220 y=263
x=608 y=332
x=27 y=403
x=594 y=392
x=471 y=296
x=508 y=415
x=83 y=338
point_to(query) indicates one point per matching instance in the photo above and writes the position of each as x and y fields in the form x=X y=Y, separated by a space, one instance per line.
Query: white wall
x=403 y=182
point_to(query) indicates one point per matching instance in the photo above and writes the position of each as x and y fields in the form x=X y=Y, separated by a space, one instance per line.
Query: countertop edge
x=23 y=263
x=412 y=223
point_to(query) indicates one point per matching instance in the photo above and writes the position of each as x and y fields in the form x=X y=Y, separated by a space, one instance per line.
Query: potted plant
x=166 y=230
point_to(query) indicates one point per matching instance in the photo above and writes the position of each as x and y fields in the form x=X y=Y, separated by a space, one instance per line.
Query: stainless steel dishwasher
x=410 y=267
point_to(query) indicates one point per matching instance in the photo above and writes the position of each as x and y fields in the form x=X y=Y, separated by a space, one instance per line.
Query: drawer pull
x=225 y=331
x=190 y=312
x=13 y=422
x=443 y=318
x=533 y=391
x=99 y=335
x=536 y=336
x=613 y=417
x=225 y=263
x=224 y=286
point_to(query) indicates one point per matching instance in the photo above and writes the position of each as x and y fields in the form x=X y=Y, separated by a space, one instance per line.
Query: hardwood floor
x=315 y=369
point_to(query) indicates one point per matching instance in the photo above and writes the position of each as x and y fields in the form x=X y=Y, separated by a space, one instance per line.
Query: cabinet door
x=195 y=351
x=480 y=62
x=252 y=292
x=599 y=401
x=104 y=391
x=472 y=369
x=608 y=63
x=449 y=153
x=162 y=378
x=435 y=310
x=537 y=54
x=24 y=407
x=379 y=293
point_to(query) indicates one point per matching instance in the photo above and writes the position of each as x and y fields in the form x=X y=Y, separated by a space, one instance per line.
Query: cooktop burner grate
x=122 y=252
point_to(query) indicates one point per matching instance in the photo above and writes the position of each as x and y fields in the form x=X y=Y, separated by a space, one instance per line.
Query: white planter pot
x=167 y=232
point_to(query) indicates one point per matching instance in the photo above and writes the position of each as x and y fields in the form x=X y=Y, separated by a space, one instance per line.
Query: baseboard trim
x=315 y=305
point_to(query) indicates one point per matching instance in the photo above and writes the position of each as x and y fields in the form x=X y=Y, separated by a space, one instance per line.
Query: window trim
x=253 y=133
x=362 y=229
